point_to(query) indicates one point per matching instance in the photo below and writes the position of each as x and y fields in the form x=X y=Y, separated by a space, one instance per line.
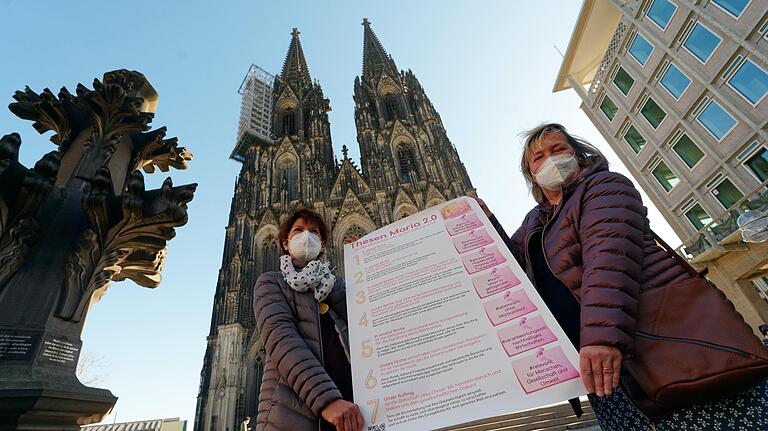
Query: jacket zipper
x=697 y=342
x=544 y=251
x=322 y=357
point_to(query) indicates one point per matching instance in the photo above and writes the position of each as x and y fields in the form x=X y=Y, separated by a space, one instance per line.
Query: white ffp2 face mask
x=556 y=170
x=304 y=247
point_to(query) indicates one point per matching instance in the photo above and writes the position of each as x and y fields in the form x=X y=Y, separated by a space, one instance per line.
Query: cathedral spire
x=295 y=66
x=375 y=57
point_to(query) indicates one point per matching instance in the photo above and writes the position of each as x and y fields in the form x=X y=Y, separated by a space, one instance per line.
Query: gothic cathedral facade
x=407 y=164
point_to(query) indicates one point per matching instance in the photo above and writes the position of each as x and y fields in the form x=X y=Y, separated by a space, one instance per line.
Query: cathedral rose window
x=354 y=233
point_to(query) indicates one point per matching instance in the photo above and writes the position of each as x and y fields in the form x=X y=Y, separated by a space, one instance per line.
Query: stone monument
x=80 y=218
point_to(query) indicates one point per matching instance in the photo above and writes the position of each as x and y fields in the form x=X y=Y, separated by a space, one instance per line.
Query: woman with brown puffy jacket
x=301 y=315
x=589 y=251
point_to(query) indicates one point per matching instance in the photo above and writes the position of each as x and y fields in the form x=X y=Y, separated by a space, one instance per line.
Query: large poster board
x=445 y=328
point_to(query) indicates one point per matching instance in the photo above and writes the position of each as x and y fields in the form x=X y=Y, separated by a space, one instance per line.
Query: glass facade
x=688 y=151
x=608 y=107
x=675 y=81
x=661 y=12
x=716 y=120
x=623 y=81
x=698 y=217
x=758 y=164
x=701 y=42
x=727 y=193
x=634 y=139
x=734 y=7
x=653 y=113
x=750 y=81
x=640 y=49
x=665 y=176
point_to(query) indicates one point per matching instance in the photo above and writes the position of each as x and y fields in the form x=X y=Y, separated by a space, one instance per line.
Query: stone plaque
x=60 y=350
x=18 y=344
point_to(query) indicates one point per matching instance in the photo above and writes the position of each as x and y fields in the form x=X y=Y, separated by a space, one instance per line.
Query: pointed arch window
x=286 y=177
x=270 y=254
x=289 y=122
x=390 y=108
x=406 y=161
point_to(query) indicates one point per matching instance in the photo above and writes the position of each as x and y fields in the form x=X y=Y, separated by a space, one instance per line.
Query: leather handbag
x=691 y=346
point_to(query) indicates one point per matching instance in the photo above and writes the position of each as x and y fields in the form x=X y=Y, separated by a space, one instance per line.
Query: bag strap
x=681 y=260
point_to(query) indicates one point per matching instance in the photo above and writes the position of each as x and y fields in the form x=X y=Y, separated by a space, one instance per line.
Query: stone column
x=76 y=221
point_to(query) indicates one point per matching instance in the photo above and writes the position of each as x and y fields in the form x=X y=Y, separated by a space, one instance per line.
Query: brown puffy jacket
x=599 y=245
x=295 y=387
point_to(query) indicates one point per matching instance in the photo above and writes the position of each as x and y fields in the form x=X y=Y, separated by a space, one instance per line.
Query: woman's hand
x=600 y=367
x=483 y=206
x=345 y=416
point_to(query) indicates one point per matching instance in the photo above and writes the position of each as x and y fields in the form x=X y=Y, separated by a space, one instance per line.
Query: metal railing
x=724 y=224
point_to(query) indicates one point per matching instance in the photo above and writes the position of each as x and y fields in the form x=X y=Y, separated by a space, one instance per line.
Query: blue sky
x=488 y=67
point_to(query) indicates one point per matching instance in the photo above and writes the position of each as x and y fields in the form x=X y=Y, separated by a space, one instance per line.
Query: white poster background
x=445 y=328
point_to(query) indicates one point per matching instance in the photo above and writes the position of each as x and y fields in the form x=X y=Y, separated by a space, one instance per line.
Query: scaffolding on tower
x=255 y=126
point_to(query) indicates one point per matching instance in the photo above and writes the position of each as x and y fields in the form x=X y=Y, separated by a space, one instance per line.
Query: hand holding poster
x=445 y=328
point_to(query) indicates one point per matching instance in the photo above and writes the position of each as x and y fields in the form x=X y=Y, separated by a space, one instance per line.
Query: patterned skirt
x=747 y=411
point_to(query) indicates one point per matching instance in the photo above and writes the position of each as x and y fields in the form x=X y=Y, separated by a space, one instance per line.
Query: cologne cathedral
x=407 y=163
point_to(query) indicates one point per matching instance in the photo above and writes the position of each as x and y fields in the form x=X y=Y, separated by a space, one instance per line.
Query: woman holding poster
x=588 y=248
x=301 y=316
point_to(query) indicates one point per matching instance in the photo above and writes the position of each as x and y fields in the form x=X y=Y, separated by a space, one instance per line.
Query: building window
x=608 y=107
x=406 y=161
x=675 y=81
x=390 y=108
x=353 y=234
x=698 y=217
x=652 y=112
x=623 y=81
x=640 y=49
x=270 y=255
x=701 y=42
x=289 y=123
x=733 y=7
x=634 y=139
x=761 y=284
x=716 y=120
x=727 y=194
x=688 y=151
x=661 y=12
x=758 y=164
x=286 y=177
x=665 y=176
x=750 y=81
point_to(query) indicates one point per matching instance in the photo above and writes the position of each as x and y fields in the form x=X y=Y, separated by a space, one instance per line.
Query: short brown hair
x=586 y=153
x=309 y=216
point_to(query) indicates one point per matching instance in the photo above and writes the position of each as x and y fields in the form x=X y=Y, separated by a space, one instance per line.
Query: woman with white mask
x=301 y=316
x=589 y=251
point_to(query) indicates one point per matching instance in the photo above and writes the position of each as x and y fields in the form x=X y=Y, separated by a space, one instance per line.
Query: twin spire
x=295 y=66
x=375 y=58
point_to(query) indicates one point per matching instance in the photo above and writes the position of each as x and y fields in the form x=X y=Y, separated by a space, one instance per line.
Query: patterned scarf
x=316 y=276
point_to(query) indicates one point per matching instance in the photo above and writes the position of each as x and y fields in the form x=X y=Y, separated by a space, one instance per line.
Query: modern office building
x=677 y=88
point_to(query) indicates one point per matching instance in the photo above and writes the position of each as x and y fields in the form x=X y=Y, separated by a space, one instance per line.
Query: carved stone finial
x=295 y=32
x=345 y=151
x=366 y=23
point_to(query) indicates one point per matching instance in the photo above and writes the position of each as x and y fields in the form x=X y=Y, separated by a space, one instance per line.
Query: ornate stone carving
x=21 y=192
x=129 y=246
x=76 y=221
